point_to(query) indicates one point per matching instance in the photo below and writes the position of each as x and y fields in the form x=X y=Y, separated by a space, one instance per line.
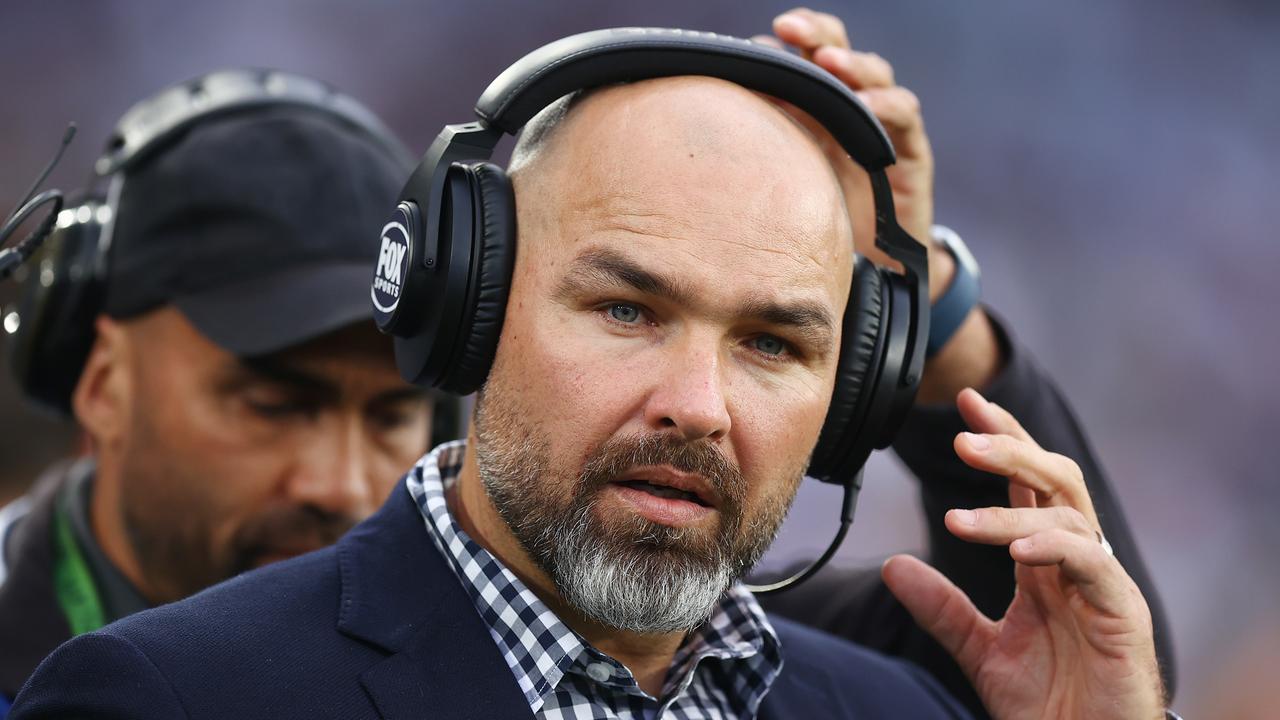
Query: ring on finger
x=1106 y=546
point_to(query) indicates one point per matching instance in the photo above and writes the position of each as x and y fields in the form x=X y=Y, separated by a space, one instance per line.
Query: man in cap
x=239 y=403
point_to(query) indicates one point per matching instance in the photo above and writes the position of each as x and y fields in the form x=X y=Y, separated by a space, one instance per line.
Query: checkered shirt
x=722 y=670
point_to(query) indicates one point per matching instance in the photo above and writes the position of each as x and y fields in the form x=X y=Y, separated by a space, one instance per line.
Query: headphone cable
x=846 y=519
x=11 y=258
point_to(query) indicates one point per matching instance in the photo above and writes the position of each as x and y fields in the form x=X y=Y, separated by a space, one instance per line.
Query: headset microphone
x=11 y=258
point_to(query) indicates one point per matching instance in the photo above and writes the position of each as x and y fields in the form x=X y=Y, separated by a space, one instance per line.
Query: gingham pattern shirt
x=722 y=670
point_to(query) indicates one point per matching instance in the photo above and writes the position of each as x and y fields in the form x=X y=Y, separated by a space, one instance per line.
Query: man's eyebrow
x=272 y=369
x=810 y=319
x=609 y=268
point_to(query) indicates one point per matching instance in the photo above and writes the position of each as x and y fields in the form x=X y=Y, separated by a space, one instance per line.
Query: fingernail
x=1023 y=545
x=965 y=517
x=799 y=23
x=980 y=443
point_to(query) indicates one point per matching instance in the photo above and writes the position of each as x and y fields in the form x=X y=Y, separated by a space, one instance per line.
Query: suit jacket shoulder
x=826 y=677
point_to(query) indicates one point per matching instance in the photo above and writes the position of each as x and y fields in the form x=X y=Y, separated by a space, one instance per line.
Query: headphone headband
x=151 y=123
x=602 y=57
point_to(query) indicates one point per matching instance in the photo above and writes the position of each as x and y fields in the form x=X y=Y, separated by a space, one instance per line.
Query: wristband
x=947 y=314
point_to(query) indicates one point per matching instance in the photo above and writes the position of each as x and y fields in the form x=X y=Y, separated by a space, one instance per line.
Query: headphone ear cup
x=861 y=350
x=492 y=263
x=60 y=300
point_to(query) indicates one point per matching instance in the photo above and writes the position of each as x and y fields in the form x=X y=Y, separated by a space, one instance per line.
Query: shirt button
x=599 y=671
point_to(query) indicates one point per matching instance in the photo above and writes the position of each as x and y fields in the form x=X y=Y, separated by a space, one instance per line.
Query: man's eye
x=769 y=345
x=276 y=409
x=624 y=313
x=273 y=410
x=399 y=415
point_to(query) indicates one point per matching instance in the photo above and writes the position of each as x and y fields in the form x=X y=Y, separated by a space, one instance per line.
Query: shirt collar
x=540 y=649
x=118 y=595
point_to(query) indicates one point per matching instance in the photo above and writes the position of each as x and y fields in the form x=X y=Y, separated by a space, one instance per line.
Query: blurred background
x=1112 y=165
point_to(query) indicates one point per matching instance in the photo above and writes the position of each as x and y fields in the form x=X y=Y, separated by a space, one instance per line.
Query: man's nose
x=332 y=472
x=689 y=393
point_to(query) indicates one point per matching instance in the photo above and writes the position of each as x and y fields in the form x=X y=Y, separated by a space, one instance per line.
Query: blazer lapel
x=400 y=595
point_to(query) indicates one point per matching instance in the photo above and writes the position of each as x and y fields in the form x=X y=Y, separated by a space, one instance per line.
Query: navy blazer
x=378 y=626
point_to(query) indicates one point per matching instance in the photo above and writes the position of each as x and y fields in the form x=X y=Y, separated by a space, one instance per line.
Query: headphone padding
x=496 y=231
x=859 y=358
x=56 y=332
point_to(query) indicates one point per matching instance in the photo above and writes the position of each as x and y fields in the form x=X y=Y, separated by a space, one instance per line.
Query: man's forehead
x=697 y=156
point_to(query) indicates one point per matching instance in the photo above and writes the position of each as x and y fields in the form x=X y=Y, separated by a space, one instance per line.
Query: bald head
x=676 y=149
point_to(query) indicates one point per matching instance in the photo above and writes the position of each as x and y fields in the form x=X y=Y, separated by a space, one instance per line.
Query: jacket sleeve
x=99 y=676
x=854 y=603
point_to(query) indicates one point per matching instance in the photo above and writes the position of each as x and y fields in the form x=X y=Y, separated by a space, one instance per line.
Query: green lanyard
x=72 y=581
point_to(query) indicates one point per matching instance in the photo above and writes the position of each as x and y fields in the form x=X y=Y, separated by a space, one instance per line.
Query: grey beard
x=632 y=587
x=644 y=581
x=632 y=575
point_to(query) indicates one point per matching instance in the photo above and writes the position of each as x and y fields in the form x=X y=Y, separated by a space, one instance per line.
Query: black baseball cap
x=261 y=226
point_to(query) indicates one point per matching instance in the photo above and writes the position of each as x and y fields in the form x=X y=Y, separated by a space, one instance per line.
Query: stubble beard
x=170 y=524
x=627 y=573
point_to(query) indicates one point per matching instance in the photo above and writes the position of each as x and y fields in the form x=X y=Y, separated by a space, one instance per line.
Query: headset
x=64 y=291
x=447 y=253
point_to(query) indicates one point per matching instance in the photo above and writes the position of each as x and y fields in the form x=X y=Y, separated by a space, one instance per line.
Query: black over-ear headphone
x=447 y=254
x=63 y=292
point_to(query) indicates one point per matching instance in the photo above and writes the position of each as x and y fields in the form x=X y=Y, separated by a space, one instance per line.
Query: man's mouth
x=663 y=491
x=666 y=496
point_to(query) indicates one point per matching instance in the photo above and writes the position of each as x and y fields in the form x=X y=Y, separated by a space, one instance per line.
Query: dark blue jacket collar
x=398 y=594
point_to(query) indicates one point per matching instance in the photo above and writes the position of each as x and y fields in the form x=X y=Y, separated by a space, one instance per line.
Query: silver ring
x=1106 y=546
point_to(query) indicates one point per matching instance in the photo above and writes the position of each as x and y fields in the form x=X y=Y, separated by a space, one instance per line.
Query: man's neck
x=648 y=657
x=108 y=525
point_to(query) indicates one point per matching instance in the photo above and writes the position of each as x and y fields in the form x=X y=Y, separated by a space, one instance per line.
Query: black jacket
x=31 y=619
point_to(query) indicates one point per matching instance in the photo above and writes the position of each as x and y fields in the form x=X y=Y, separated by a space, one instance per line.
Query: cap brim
x=270 y=313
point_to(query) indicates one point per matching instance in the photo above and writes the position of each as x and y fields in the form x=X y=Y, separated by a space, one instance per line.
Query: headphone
x=64 y=290
x=446 y=256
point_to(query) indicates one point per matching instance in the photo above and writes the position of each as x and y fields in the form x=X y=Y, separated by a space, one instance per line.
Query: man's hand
x=1076 y=642
x=821 y=39
x=972 y=357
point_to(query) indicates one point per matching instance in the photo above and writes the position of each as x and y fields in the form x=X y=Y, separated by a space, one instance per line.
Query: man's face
x=227 y=464
x=669 y=348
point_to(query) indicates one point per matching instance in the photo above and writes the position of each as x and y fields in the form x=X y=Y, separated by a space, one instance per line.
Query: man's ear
x=101 y=398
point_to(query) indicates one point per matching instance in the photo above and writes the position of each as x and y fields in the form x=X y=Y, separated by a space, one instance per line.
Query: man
x=665 y=365
x=240 y=404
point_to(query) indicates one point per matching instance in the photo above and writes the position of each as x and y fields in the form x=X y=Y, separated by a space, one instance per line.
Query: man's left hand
x=1077 y=641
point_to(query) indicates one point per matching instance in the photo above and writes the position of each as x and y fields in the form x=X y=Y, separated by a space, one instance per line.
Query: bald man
x=665 y=364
